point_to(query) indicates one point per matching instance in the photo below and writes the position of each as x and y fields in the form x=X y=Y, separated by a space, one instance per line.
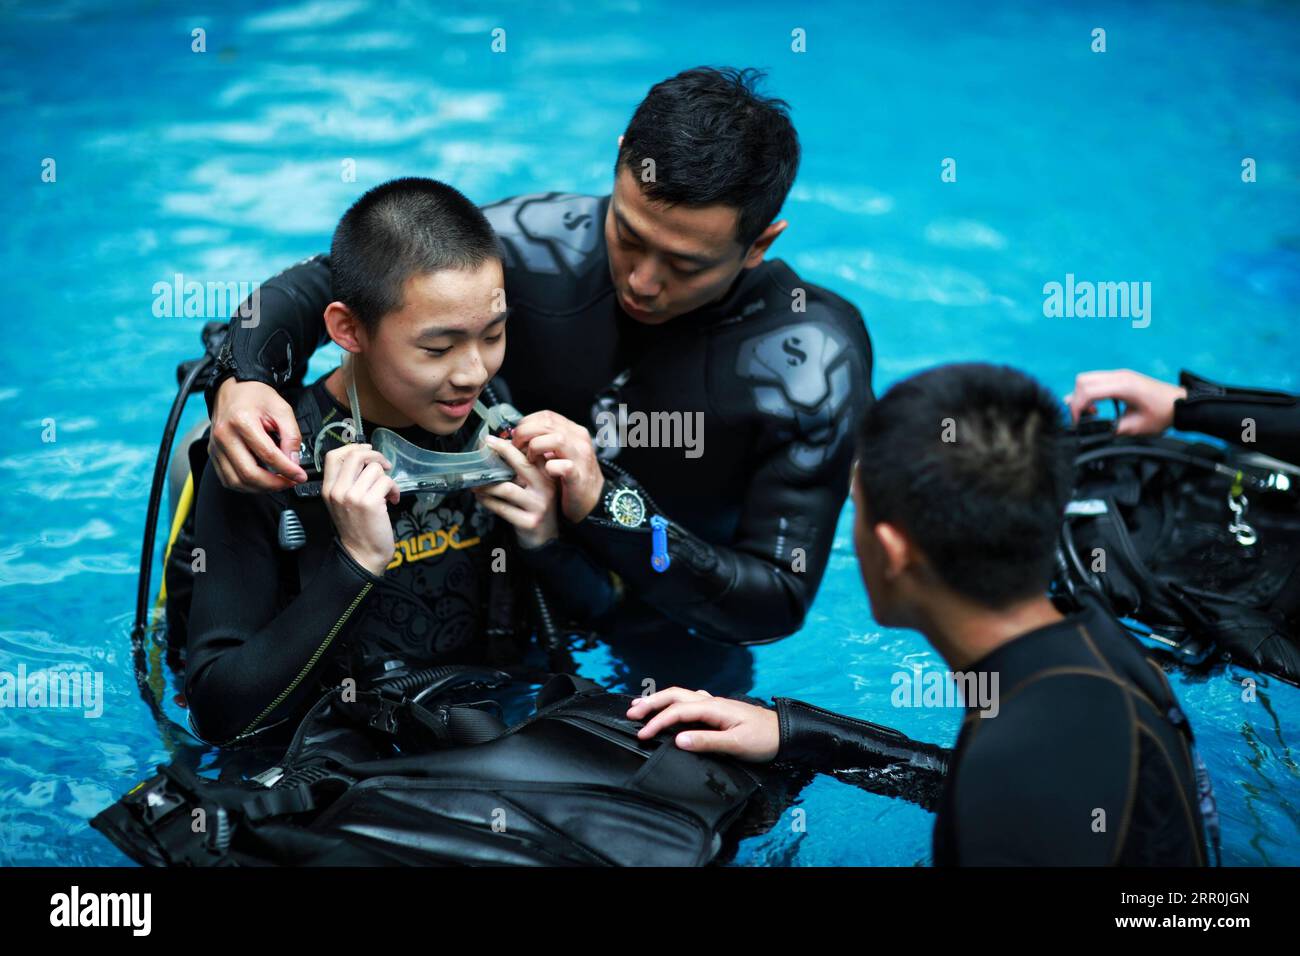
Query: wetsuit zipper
x=302 y=674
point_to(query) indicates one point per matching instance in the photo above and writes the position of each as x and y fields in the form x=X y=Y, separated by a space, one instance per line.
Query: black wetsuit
x=1221 y=410
x=780 y=369
x=1086 y=762
x=271 y=626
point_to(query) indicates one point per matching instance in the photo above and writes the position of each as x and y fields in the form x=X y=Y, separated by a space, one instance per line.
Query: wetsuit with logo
x=778 y=370
x=281 y=610
x=1086 y=759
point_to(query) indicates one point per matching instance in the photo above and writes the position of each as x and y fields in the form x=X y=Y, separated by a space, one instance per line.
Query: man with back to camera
x=1083 y=757
x=674 y=308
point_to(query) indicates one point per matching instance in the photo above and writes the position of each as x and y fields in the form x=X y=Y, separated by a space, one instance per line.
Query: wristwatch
x=624 y=507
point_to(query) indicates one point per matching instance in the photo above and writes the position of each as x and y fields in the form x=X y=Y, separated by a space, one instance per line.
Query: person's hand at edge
x=529 y=502
x=564 y=448
x=244 y=416
x=742 y=730
x=357 y=490
x=1149 y=402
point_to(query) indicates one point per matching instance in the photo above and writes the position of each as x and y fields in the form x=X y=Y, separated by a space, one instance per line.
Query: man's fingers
x=506 y=491
x=560 y=468
x=1086 y=394
x=1092 y=387
x=530 y=426
x=701 y=710
x=253 y=433
x=240 y=471
x=551 y=441
x=343 y=465
x=1087 y=389
x=1132 y=423
x=507 y=512
x=286 y=426
x=553 y=445
x=644 y=706
x=511 y=455
x=372 y=480
x=219 y=466
x=711 y=741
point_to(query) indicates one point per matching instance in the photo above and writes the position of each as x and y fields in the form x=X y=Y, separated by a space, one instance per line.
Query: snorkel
x=419 y=470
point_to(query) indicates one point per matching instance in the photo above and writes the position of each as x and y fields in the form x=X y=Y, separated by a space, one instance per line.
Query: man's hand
x=1149 y=402
x=357 y=490
x=528 y=502
x=565 y=450
x=745 y=731
x=244 y=415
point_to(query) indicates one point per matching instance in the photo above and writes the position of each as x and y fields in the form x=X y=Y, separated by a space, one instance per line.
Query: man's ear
x=764 y=242
x=344 y=327
x=896 y=548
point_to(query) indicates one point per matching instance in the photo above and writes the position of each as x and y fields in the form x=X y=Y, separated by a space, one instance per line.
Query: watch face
x=626 y=508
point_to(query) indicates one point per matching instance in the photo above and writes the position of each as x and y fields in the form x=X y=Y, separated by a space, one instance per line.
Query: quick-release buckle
x=156 y=802
x=384 y=714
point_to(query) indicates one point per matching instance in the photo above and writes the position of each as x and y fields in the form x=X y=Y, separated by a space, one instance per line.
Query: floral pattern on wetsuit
x=429 y=607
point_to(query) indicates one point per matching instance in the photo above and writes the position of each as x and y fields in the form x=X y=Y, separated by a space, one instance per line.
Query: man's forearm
x=1256 y=419
x=241 y=681
x=717 y=592
x=272 y=341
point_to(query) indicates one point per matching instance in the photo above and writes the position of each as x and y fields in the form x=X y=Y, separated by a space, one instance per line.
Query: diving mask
x=422 y=470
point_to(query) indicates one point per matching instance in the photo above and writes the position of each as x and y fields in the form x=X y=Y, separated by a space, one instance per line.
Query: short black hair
x=404 y=227
x=714 y=140
x=973 y=461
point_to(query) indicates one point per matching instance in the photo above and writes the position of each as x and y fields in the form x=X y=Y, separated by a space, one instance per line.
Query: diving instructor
x=656 y=300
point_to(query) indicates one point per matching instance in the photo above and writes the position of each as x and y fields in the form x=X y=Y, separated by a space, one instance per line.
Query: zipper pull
x=659 y=559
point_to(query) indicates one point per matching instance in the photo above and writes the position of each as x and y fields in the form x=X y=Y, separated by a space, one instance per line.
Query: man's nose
x=644 y=280
x=470 y=372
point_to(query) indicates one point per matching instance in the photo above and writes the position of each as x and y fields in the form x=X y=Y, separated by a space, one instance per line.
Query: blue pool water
x=225 y=166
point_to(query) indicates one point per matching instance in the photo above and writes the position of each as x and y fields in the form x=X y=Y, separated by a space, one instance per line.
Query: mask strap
x=352 y=397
